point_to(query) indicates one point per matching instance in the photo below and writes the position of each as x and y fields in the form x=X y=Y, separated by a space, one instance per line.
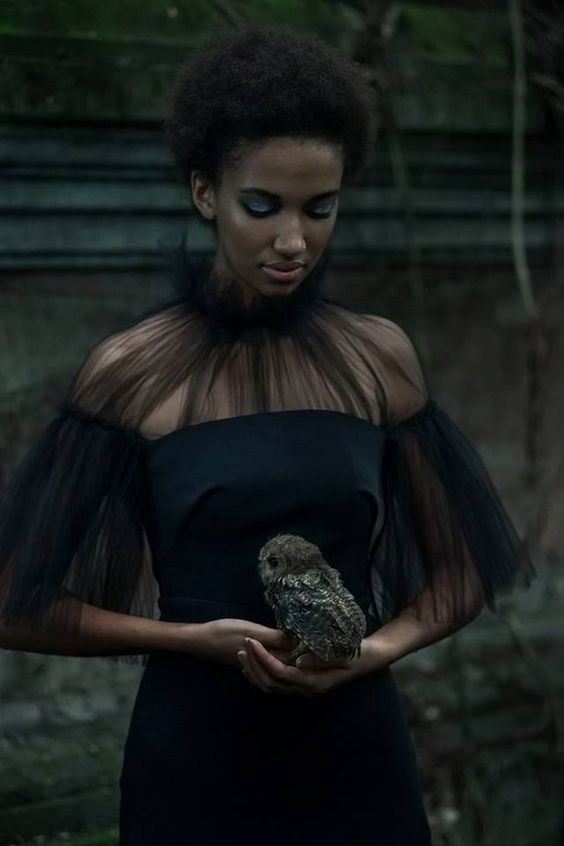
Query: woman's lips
x=283 y=275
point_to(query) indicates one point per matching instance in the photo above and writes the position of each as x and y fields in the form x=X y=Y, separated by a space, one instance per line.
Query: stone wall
x=89 y=197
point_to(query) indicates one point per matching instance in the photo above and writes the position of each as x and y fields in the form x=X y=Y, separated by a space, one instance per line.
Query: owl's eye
x=274 y=561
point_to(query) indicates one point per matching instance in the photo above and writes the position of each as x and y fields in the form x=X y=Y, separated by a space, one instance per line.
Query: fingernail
x=299 y=662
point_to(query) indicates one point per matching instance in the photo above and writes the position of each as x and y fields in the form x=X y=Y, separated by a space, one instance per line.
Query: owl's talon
x=295 y=653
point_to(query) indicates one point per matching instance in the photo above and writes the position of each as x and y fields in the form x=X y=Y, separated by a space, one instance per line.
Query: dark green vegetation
x=98 y=61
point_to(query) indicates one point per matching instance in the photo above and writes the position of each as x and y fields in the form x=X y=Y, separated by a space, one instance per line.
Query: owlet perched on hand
x=309 y=599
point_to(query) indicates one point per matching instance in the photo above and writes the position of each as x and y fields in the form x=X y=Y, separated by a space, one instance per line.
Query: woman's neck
x=232 y=309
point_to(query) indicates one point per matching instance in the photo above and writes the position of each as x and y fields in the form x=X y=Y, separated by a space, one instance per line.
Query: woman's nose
x=290 y=240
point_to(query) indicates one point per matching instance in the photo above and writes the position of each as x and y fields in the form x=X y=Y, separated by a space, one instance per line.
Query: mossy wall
x=96 y=61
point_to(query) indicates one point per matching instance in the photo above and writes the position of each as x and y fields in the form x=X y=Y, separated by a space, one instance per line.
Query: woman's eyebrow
x=270 y=196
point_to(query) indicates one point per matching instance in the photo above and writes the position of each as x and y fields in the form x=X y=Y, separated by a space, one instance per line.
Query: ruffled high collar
x=228 y=316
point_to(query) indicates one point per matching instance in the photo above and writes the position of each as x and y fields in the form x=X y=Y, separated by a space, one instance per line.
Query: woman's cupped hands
x=259 y=651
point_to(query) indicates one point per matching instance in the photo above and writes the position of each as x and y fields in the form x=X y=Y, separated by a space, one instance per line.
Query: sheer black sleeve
x=71 y=524
x=447 y=545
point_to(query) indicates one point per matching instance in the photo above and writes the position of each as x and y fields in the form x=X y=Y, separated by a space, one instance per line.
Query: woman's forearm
x=406 y=633
x=103 y=633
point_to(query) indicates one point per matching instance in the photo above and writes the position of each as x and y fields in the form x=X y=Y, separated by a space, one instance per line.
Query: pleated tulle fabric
x=447 y=544
x=72 y=516
x=71 y=527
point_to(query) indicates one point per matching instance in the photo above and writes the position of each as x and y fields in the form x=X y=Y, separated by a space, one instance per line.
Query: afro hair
x=262 y=82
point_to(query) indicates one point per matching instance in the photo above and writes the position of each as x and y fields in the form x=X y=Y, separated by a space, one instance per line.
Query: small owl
x=309 y=599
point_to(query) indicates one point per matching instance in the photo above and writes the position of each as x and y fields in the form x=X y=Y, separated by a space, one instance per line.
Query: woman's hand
x=220 y=640
x=311 y=677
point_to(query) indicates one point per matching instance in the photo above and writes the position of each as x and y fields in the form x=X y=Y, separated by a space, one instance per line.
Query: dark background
x=455 y=231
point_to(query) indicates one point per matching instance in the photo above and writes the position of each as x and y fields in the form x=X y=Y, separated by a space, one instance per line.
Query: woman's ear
x=203 y=194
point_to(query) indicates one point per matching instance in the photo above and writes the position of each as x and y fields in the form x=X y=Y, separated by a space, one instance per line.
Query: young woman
x=249 y=405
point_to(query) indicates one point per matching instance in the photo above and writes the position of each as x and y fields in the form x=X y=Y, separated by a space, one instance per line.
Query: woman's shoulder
x=113 y=378
x=389 y=334
x=375 y=327
x=134 y=338
x=401 y=369
x=382 y=337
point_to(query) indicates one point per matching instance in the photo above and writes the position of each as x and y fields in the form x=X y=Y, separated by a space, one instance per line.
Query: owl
x=309 y=599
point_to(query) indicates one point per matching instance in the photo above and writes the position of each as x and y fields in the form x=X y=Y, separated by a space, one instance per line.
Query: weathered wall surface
x=82 y=256
x=89 y=201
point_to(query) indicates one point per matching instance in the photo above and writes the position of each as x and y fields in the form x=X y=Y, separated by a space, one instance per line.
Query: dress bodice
x=219 y=490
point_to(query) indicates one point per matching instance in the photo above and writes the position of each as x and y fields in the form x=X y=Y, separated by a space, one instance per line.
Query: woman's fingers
x=277 y=676
x=273 y=638
x=265 y=671
x=257 y=674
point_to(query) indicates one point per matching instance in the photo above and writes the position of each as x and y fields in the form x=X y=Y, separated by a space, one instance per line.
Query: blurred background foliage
x=455 y=231
x=52 y=48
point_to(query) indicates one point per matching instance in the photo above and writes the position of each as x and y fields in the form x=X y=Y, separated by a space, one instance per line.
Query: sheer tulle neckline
x=221 y=304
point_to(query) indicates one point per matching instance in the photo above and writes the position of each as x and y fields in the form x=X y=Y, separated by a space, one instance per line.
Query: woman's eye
x=322 y=212
x=262 y=211
x=257 y=211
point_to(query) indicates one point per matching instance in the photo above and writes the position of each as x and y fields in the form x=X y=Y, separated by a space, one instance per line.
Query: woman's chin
x=276 y=289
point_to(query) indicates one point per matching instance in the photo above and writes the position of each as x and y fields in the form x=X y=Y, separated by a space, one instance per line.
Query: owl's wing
x=317 y=612
x=351 y=620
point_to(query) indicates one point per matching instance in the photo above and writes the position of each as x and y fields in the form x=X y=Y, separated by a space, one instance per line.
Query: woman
x=249 y=405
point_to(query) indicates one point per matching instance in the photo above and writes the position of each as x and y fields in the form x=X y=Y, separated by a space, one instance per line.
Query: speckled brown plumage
x=309 y=599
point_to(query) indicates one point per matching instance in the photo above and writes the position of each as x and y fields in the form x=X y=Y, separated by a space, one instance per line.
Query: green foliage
x=334 y=21
x=97 y=60
x=456 y=36
x=184 y=21
x=100 y=20
x=100 y=60
x=444 y=34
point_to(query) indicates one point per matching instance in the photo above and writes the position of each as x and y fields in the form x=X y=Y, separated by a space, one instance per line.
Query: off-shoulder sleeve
x=71 y=522
x=447 y=544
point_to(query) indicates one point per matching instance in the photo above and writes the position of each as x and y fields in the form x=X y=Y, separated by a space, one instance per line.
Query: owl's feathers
x=309 y=599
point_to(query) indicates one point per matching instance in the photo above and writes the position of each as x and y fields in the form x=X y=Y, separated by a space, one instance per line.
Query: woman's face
x=277 y=205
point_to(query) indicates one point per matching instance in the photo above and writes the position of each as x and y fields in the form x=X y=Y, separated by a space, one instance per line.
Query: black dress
x=184 y=443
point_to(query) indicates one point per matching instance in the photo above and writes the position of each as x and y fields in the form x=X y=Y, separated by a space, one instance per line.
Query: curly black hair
x=261 y=82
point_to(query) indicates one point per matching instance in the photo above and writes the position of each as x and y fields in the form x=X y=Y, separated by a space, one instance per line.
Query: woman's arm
x=103 y=633
x=412 y=630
